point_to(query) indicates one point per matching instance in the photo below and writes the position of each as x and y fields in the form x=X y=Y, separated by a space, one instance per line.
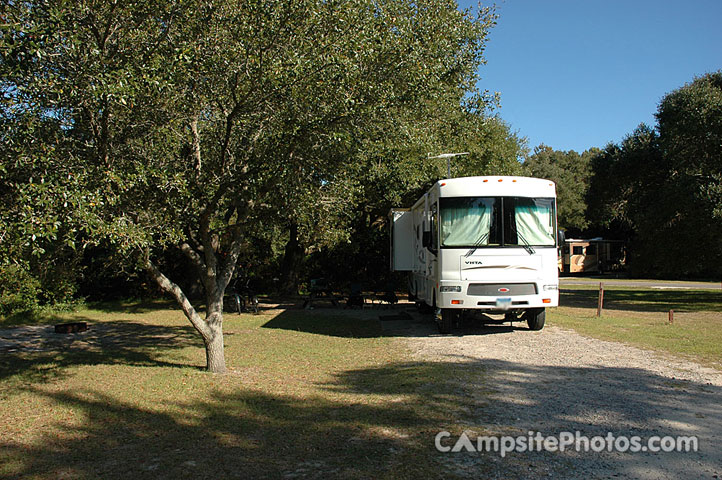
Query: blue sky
x=580 y=74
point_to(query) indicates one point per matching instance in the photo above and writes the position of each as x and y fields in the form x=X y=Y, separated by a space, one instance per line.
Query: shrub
x=18 y=290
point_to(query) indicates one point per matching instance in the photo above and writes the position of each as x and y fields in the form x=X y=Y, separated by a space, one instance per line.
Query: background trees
x=661 y=187
x=658 y=189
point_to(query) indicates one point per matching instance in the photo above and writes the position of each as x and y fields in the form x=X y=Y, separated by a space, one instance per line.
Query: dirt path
x=556 y=381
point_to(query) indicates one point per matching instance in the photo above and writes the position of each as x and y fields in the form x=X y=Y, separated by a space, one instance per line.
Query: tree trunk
x=292 y=262
x=213 y=339
x=215 y=358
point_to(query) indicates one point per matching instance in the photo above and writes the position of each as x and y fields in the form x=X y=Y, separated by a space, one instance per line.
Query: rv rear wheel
x=446 y=320
x=535 y=318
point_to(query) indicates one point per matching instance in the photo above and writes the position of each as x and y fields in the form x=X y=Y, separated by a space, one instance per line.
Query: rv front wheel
x=535 y=318
x=446 y=320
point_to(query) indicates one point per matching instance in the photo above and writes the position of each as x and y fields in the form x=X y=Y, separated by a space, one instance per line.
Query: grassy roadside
x=584 y=279
x=317 y=394
x=639 y=316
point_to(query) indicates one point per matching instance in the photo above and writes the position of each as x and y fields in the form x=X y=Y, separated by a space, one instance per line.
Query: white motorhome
x=481 y=243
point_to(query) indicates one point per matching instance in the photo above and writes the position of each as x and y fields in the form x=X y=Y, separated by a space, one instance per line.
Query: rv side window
x=578 y=251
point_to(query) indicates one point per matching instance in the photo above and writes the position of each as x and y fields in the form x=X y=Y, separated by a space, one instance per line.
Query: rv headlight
x=551 y=287
x=450 y=289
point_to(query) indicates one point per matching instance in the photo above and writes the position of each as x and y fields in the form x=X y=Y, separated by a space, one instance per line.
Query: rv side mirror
x=561 y=238
x=426 y=239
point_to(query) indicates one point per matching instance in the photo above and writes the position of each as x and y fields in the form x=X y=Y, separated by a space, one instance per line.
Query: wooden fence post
x=600 y=302
x=671 y=317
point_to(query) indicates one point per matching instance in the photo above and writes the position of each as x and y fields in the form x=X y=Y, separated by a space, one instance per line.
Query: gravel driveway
x=556 y=380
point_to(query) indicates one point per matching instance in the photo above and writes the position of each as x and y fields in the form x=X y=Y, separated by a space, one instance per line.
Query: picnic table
x=320 y=290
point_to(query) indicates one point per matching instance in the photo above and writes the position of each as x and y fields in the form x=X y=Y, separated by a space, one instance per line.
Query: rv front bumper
x=497 y=295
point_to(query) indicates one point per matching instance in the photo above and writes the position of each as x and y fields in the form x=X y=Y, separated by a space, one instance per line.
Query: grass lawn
x=310 y=394
x=640 y=316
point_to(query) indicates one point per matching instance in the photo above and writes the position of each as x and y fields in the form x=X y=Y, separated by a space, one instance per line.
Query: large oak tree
x=158 y=124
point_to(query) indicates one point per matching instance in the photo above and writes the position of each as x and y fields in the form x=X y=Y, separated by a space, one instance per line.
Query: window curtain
x=535 y=224
x=465 y=226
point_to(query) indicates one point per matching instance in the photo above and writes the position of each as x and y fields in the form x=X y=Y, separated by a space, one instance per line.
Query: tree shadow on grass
x=239 y=435
x=377 y=422
x=335 y=323
x=134 y=305
x=645 y=300
x=37 y=353
x=374 y=323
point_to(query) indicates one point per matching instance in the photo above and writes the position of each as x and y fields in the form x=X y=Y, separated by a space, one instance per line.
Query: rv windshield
x=497 y=221
x=469 y=222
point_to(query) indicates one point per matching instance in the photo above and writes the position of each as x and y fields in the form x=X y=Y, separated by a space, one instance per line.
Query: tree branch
x=198 y=264
x=210 y=266
x=229 y=265
x=196 y=146
x=179 y=296
x=192 y=255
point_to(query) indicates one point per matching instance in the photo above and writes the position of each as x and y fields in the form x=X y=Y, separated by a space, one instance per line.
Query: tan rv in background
x=595 y=255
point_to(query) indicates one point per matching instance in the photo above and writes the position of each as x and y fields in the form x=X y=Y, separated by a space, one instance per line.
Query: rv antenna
x=448 y=157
